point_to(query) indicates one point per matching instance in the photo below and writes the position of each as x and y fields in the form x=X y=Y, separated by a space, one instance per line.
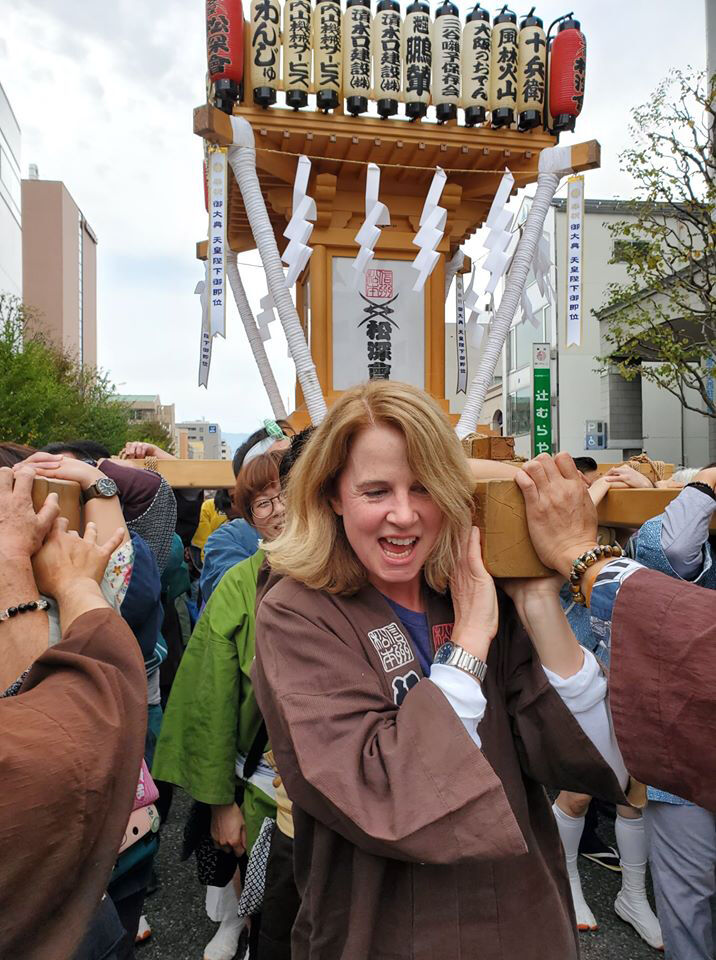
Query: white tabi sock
x=570 y=832
x=631 y=903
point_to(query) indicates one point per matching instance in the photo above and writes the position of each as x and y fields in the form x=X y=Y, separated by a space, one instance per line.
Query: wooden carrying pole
x=68 y=493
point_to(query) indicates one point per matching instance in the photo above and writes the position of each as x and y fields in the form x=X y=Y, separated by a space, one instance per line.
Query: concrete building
x=10 y=201
x=203 y=439
x=149 y=407
x=59 y=253
x=633 y=415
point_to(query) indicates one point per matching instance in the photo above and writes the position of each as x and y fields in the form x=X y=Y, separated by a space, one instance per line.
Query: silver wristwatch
x=453 y=655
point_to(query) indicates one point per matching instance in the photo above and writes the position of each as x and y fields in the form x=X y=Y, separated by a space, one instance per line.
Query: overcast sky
x=104 y=96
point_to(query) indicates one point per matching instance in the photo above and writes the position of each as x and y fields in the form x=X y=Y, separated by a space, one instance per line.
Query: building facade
x=10 y=200
x=202 y=440
x=149 y=407
x=59 y=268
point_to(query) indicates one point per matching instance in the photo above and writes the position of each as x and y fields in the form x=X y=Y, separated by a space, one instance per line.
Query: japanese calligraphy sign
x=460 y=337
x=476 y=61
x=216 y=258
x=327 y=53
x=224 y=39
x=378 y=328
x=297 y=50
x=386 y=57
x=575 y=247
x=356 y=51
x=541 y=399
x=503 y=68
x=417 y=60
x=531 y=63
x=447 y=37
x=265 y=49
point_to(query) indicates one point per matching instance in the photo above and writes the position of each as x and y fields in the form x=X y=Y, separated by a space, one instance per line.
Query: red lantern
x=225 y=50
x=567 y=67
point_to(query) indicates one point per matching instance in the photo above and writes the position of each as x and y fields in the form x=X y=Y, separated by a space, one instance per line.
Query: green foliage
x=45 y=395
x=151 y=431
x=665 y=311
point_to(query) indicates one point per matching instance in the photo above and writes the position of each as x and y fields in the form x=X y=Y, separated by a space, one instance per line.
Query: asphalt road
x=180 y=928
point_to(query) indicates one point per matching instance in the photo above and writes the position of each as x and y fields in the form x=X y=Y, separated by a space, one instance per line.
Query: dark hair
x=290 y=456
x=258 y=474
x=82 y=449
x=256 y=437
x=222 y=500
x=585 y=464
x=12 y=453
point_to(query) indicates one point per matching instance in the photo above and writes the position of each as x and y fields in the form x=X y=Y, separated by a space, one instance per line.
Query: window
x=518 y=412
x=520 y=340
x=10 y=178
x=626 y=251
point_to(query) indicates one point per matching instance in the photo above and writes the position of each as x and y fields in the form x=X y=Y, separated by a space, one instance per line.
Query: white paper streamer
x=498 y=238
x=299 y=229
x=471 y=296
x=376 y=216
x=265 y=316
x=205 y=343
x=432 y=227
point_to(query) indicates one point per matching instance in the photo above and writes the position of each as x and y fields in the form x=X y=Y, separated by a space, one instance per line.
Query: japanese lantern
x=567 y=67
x=297 y=52
x=417 y=59
x=447 y=35
x=327 y=53
x=386 y=56
x=356 y=55
x=225 y=50
x=531 y=70
x=476 y=65
x=265 y=50
x=503 y=69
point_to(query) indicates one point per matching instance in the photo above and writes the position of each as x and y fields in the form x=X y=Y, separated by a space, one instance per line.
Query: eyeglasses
x=263 y=509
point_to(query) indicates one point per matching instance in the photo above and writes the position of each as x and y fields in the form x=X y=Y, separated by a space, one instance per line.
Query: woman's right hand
x=474 y=599
x=65 y=561
x=139 y=451
x=228 y=830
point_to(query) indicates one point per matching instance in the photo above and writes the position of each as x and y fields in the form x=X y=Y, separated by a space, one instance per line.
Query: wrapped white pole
x=255 y=339
x=242 y=157
x=554 y=163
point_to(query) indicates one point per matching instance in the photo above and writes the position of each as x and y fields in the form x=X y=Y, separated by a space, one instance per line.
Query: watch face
x=444 y=652
x=106 y=487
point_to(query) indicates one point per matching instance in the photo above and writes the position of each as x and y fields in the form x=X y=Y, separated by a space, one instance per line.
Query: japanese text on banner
x=575 y=247
x=460 y=337
x=218 y=210
x=541 y=399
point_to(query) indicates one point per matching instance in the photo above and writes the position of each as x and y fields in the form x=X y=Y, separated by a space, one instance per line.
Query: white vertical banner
x=460 y=335
x=202 y=288
x=575 y=247
x=218 y=217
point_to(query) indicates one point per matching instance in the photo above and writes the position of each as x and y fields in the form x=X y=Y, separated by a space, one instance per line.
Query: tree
x=666 y=309
x=151 y=431
x=45 y=395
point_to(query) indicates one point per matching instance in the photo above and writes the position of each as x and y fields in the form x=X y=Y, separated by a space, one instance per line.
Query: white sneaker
x=585 y=917
x=224 y=944
x=640 y=915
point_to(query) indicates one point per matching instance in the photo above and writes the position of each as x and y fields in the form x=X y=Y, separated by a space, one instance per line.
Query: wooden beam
x=209 y=474
x=68 y=493
x=202 y=250
x=586 y=156
x=213 y=125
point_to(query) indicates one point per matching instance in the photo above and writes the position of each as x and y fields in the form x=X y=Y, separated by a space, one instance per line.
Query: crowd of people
x=364 y=720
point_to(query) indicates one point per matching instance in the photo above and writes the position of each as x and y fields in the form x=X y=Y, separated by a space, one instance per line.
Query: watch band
x=460 y=658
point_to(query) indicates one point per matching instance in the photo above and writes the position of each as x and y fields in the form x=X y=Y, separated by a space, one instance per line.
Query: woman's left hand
x=522 y=589
x=56 y=467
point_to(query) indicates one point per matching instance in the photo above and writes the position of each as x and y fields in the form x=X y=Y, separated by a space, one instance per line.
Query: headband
x=263 y=446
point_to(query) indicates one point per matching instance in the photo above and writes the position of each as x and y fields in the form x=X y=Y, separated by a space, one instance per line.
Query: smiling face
x=268 y=527
x=390 y=520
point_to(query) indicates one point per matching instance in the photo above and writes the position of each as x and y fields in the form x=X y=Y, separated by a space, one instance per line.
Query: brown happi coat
x=410 y=841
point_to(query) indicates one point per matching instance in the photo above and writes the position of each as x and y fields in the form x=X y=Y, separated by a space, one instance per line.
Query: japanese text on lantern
x=378 y=322
x=506 y=63
x=265 y=36
x=418 y=54
x=580 y=70
x=298 y=41
x=329 y=46
x=480 y=76
x=532 y=75
x=217 y=236
x=387 y=59
x=217 y=37
x=358 y=66
x=575 y=240
x=541 y=399
x=450 y=36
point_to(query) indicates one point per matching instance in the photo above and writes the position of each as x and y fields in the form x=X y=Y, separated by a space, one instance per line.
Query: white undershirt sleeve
x=463 y=693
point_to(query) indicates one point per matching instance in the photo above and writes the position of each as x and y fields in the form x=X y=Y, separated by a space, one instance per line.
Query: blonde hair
x=313 y=547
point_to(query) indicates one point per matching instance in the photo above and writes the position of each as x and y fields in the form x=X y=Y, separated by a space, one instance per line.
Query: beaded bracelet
x=580 y=565
x=24 y=608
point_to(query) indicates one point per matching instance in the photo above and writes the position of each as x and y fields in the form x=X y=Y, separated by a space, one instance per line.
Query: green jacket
x=212 y=713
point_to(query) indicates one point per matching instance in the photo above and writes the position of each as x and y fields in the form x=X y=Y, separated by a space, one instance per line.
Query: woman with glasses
x=212 y=723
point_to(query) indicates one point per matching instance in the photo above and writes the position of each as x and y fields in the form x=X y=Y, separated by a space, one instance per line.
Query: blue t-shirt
x=417 y=626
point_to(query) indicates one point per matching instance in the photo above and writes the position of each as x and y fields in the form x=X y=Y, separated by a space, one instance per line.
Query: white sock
x=223 y=944
x=570 y=832
x=634 y=905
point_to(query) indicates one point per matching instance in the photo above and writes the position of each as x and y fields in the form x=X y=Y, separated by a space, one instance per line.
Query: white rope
x=553 y=164
x=242 y=157
x=254 y=336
